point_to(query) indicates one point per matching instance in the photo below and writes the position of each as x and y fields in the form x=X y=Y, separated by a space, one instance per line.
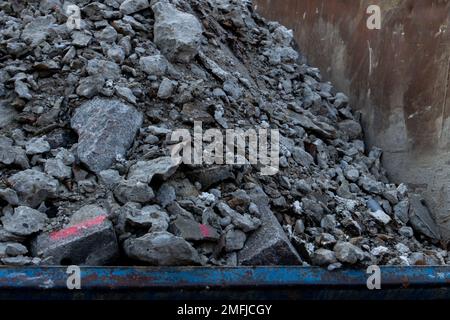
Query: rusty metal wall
x=398 y=77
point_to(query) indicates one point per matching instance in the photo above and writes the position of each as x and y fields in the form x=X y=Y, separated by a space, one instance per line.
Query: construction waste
x=91 y=94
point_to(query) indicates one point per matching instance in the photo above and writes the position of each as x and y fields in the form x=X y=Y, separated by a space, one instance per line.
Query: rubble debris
x=86 y=119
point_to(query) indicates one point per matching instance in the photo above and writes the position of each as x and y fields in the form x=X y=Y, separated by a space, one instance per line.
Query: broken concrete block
x=132 y=6
x=150 y=217
x=144 y=171
x=177 y=34
x=245 y=222
x=348 y=253
x=106 y=129
x=162 y=249
x=12 y=249
x=33 y=186
x=234 y=240
x=269 y=244
x=211 y=176
x=133 y=191
x=24 y=222
x=191 y=230
x=421 y=219
x=91 y=242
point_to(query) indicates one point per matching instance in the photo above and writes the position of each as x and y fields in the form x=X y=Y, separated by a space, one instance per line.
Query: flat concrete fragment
x=91 y=242
x=269 y=244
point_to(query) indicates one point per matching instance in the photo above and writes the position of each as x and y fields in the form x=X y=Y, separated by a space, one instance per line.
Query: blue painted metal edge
x=123 y=278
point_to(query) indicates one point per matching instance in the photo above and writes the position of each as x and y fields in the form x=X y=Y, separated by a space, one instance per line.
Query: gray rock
x=106 y=129
x=191 y=230
x=401 y=211
x=232 y=88
x=348 y=253
x=351 y=174
x=407 y=232
x=166 y=195
x=211 y=176
x=37 y=30
x=126 y=94
x=10 y=154
x=269 y=244
x=150 y=217
x=80 y=39
x=156 y=65
x=12 y=249
x=22 y=90
x=234 y=240
x=86 y=213
x=161 y=249
x=108 y=34
x=37 y=146
x=90 y=86
x=132 y=6
x=132 y=190
x=165 y=89
x=24 y=222
x=351 y=129
x=106 y=69
x=245 y=222
x=116 y=53
x=302 y=157
x=144 y=171
x=57 y=169
x=370 y=185
x=323 y=257
x=177 y=34
x=10 y=196
x=6 y=236
x=299 y=227
x=421 y=219
x=91 y=242
x=33 y=186
x=20 y=261
x=377 y=212
x=109 y=177
x=391 y=196
x=7 y=114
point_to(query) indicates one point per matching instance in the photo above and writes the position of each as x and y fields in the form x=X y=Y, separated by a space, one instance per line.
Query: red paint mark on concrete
x=76 y=229
x=204 y=230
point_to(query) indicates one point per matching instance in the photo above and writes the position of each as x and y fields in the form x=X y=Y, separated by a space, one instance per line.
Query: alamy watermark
x=74 y=279
x=374 y=20
x=73 y=17
x=235 y=147
x=374 y=280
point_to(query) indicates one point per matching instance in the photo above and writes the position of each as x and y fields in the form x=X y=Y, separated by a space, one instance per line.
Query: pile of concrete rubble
x=88 y=103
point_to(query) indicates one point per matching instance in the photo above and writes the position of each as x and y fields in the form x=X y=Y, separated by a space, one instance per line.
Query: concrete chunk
x=421 y=219
x=91 y=242
x=106 y=129
x=191 y=230
x=269 y=244
x=162 y=249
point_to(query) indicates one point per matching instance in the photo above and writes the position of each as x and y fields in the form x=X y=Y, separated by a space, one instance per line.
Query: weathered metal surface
x=398 y=77
x=228 y=283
